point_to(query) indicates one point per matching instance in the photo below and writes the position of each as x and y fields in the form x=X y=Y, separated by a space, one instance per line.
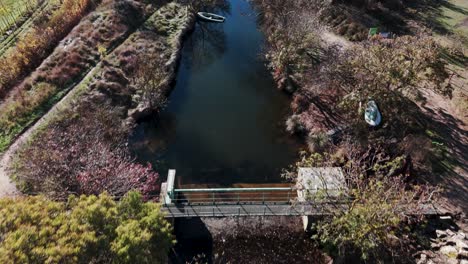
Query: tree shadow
x=449 y=156
x=444 y=161
x=398 y=17
x=430 y=13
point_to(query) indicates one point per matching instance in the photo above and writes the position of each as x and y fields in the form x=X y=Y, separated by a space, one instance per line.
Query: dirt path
x=7 y=187
x=332 y=38
x=450 y=121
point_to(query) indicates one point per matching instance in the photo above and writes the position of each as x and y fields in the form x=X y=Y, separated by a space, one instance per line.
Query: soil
x=451 y=124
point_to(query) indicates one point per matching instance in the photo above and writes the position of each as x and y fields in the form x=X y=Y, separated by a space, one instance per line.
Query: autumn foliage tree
x=86 y=229
x=83 y=153
x=150 y=80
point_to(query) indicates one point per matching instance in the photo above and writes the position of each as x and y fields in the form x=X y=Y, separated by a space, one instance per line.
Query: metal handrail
x=230 y=190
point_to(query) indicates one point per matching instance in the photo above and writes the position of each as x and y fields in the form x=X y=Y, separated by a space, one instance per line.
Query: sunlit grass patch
x=12 y=11
x=455 y=16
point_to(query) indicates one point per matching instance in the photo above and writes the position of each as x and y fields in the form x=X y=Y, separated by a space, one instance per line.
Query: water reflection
x=207 y=44
x=225 y=120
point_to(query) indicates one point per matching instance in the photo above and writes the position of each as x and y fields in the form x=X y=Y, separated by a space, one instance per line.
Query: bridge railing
x=275 y=195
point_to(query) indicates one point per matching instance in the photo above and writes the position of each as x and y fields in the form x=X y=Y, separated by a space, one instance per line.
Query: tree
x=144 y=236
x=380 y=202
x=293 y=44
x=88 y=229
x=149 y=78
x=402 y=65
x=83 y=153
x=392 y=72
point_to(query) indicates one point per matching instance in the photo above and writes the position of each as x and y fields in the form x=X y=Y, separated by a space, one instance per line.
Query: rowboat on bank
x=372 y=114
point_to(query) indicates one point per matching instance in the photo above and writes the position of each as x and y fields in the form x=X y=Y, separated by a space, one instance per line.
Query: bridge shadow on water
x=194 y=241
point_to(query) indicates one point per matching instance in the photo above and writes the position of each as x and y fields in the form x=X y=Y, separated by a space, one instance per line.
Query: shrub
x=84 y=152
x=317 y=142
x=294 y=125
x=83 y=230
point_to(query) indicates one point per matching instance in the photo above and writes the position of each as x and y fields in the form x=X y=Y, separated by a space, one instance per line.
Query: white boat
x=372 y=114
x=211 y=17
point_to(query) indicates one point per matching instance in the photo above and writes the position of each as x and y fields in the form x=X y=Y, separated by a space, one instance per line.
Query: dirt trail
x=450 y=122
x=7 y=187
x=332 y=38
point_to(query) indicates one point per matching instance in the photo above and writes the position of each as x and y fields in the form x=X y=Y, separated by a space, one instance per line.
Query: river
x=224 y=123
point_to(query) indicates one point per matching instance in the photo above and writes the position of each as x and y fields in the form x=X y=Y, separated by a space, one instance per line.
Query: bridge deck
x=266 y=209
x=266 y=201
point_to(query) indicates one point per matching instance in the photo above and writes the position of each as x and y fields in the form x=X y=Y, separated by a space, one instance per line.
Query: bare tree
x=149 y=78
x=376 y=206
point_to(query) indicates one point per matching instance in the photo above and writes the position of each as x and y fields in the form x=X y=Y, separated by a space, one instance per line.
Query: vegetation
x=11 y=12
x=293 y=46
x=73 y=59
x=19 y=113
x=85 y=229
x=375 y=223
x=84 y=154
x=404 y=64
x=37 y=44
x=331 y=84
x=150 y=79
x=83 y=150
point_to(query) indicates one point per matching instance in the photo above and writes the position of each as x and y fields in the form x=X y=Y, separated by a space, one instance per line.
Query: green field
x=455 y=17
x=14 y=11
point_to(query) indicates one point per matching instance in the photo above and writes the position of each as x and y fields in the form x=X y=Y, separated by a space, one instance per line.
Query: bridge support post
x=170 y=187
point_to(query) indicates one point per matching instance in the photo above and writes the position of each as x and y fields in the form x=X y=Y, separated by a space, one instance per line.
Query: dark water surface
x=224 y=123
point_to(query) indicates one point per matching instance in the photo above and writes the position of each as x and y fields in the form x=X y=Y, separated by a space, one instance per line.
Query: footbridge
x=264 y=201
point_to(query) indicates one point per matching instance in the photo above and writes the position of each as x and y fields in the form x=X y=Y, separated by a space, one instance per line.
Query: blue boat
x=372 y=114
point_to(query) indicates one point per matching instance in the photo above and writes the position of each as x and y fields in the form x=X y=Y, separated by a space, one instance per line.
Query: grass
x=454 y=16
x=25 y=25
x=13 y=11
x=20 y=114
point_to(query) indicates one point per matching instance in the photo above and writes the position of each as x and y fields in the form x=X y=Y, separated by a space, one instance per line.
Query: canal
x=224 y=122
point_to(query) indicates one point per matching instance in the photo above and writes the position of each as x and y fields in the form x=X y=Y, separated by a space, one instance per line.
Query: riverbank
x=109 y=90
x=422 y=134
x=322 y=103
